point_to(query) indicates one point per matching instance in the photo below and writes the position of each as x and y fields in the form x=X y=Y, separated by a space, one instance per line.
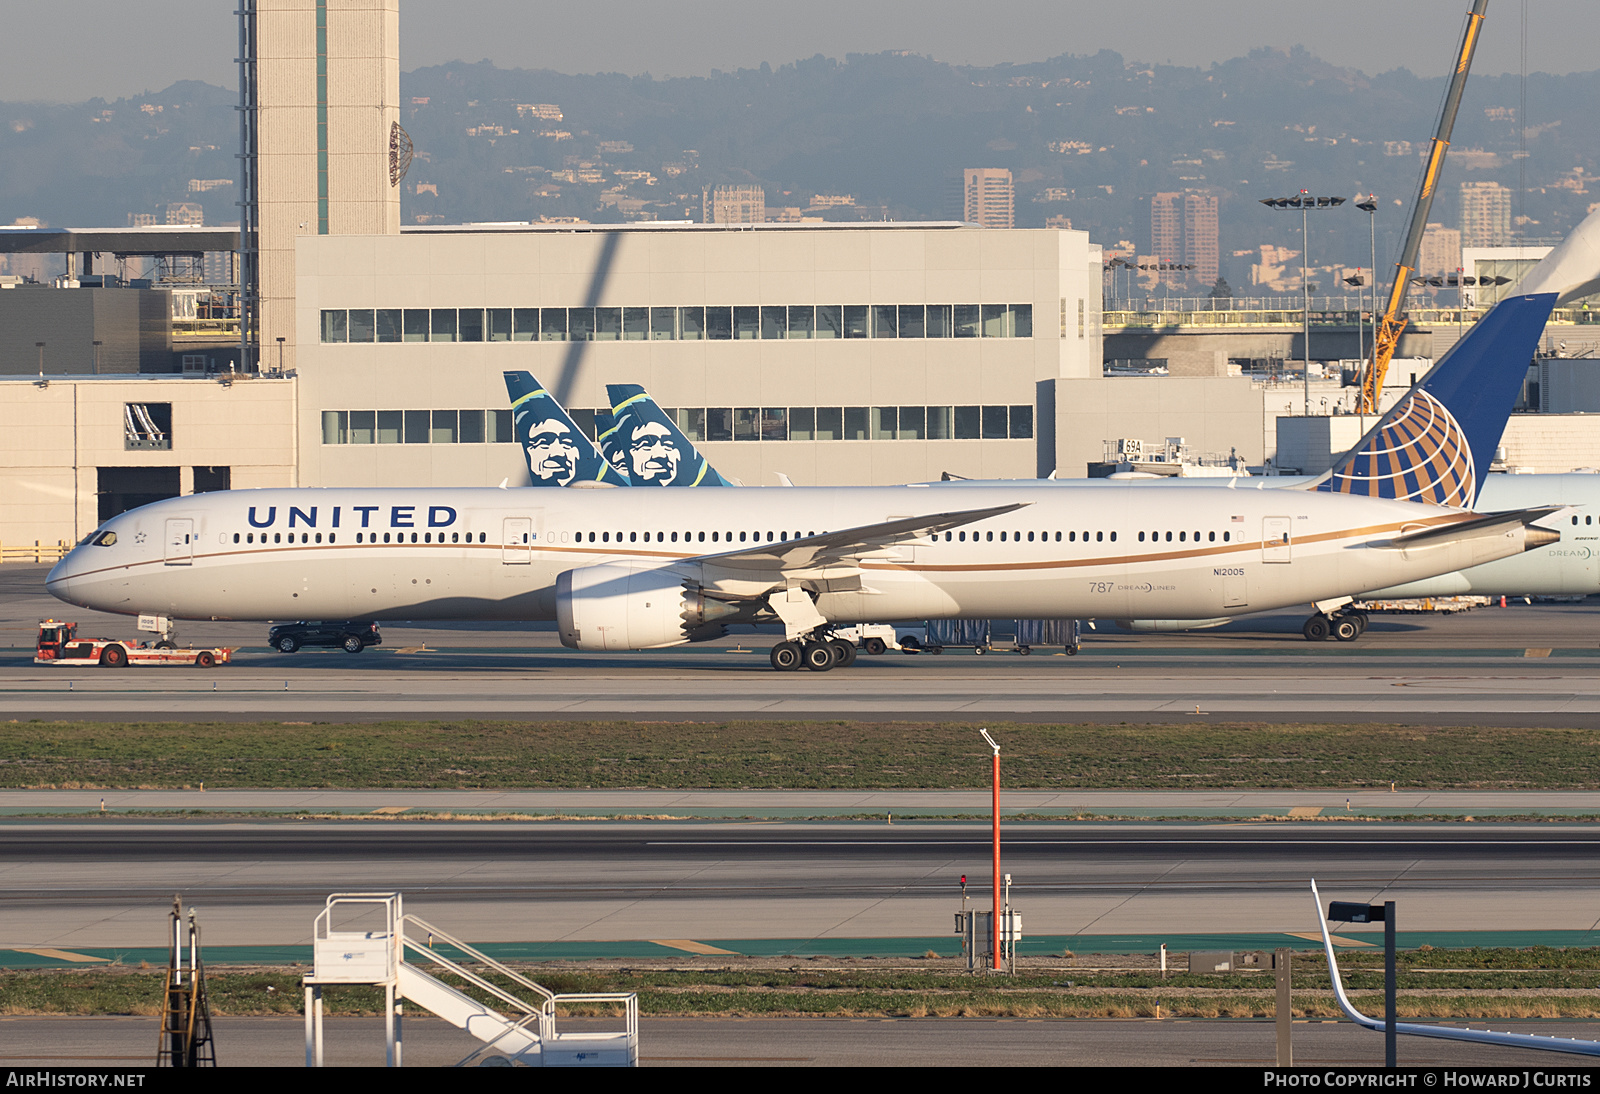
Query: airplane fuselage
x=1090 y=552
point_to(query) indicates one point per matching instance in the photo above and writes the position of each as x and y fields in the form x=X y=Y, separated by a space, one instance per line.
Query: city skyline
x=136 y=49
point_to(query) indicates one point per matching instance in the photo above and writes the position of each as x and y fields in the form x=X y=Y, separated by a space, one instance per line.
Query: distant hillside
x=1088 y=138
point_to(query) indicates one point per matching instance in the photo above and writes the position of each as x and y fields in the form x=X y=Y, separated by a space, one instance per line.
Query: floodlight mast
x=994 y=920
x=1387 y=335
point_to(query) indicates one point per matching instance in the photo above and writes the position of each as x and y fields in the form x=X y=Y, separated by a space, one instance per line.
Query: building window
x=389 y=324
x=335 y=326
x=552 y=324
x=766 y=322
x=498 y=325
x=361 y=325
x=147 y=425
x=994 y=423
x=969 y=423
x=442 y=325
x=524 y=324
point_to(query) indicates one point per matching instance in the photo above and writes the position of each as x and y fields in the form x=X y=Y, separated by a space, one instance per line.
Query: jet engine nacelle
x=636 y=606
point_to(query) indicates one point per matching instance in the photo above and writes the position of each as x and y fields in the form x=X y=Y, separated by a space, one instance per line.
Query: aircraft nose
x=58 y=582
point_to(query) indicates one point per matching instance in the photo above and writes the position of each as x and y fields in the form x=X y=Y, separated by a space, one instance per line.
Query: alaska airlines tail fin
x=605 y=430
x=1435 y=445
x=557 y=451
x=649 y=445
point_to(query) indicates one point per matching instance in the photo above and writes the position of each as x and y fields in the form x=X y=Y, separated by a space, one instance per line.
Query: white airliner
x=634 y=569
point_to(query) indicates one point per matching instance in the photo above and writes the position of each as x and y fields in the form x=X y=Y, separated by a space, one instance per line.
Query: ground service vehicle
x=59 y=644
x=350 y=637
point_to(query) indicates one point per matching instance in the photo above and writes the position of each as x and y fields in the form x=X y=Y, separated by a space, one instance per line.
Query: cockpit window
x=105 y=539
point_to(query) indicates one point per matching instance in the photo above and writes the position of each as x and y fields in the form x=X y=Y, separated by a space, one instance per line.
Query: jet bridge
x=522 y=1031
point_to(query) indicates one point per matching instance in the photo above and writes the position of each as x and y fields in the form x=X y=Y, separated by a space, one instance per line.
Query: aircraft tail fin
x=557 y=452
x=650 y=445
x=1436 y=444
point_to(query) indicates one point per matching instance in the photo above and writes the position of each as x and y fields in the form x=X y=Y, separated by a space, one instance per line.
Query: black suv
x=351 y=637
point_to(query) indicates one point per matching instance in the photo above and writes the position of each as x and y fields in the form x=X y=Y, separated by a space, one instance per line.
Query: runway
x=808 y=1042
x=1517 y=665
x=888 y=805
x=70 y=885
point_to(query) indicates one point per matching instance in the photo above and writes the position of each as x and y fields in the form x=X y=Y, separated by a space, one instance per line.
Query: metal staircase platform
x=524 y=1029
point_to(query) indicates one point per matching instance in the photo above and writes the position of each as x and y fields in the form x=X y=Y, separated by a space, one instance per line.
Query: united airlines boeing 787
x=635 y=569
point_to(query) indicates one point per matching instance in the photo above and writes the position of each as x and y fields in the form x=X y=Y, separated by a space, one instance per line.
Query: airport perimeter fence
x=38 y=552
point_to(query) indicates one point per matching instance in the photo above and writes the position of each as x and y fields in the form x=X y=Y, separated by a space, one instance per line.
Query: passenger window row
x=703 y=537
x=766 y=322
x=1183 y=537
x=361 y=537
x=688 y=537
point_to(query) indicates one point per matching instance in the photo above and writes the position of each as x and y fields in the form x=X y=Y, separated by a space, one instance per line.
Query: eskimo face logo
x=1420 y=453
x=552 y=452
x=653 y=458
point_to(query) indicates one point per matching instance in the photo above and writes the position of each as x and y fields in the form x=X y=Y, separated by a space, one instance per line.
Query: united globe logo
x=1420 y=453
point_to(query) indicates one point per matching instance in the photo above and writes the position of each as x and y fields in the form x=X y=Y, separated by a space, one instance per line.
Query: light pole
x=1345 y=912
x=995 y=919
x=97 y=344
x=1305 y=203
x=1369 y=205
x=40 y=345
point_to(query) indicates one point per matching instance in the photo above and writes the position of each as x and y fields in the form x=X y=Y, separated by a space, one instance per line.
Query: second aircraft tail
x=649 y=445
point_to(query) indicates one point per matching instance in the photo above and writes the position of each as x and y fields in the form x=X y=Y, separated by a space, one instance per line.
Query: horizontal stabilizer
x=1487 y=523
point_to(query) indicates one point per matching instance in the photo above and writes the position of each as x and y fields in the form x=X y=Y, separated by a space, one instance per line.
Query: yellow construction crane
x=1387 y=334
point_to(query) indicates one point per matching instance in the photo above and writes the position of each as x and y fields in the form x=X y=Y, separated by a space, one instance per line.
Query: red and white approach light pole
x=995 y=918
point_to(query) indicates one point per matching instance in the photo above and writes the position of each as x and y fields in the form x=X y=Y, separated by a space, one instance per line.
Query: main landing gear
x=1345 y=626
x=818 y=652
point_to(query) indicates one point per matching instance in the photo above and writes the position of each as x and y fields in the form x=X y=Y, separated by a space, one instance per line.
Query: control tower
x=327 y=87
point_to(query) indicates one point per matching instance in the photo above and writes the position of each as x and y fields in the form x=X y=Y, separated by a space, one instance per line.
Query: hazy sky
x=69 y=50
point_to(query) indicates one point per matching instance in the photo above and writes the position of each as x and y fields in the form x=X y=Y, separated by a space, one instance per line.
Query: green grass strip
x=788 y=755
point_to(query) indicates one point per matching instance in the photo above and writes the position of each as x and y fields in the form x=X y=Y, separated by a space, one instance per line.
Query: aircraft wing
x=834 y=548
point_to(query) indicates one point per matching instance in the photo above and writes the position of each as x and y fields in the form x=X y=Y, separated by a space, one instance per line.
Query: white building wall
x=1549 y=444
x=59 y=434
x=686 y=267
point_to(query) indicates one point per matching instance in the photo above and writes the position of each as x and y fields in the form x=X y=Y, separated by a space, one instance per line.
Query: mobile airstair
x=523 y=1029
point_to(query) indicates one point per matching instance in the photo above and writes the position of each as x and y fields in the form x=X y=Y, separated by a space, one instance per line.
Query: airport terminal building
x=833 y=354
